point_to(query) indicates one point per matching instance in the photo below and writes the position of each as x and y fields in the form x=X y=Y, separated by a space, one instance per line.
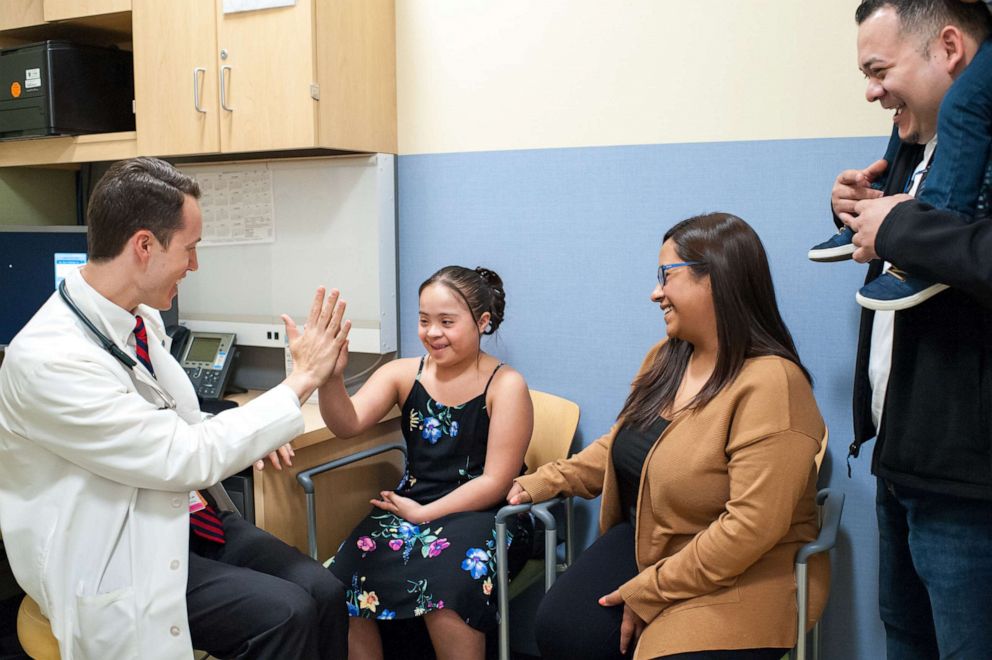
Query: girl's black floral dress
x=394 y=569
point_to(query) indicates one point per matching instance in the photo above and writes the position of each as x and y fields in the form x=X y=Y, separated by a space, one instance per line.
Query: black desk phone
x=206 y=357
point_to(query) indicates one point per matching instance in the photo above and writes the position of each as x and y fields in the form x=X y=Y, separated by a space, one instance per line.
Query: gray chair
x=555 y=421
x=550 y=566
x=831 y=505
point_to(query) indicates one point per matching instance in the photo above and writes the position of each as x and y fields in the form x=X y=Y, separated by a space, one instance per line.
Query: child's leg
x=890 y=155
x=364 y=642
x=964 y=137
x=453 y=639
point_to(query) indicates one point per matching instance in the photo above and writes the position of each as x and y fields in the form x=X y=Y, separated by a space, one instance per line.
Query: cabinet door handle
x=199 y=75
x=223 y=88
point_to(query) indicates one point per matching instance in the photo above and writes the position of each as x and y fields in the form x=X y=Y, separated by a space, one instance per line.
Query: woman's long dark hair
x=748 y=323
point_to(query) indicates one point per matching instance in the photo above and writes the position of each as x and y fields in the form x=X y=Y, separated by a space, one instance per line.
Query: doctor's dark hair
x=748 y=322
x=481 y=290
x=135 y=194
x=926 y=18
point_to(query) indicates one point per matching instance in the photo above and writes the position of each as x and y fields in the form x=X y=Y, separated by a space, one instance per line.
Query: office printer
x=61 y=88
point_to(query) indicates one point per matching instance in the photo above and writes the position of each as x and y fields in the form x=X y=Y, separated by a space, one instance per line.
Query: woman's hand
x=518 y=495
x=403 y=507
x=283 y=455
x=632 y=624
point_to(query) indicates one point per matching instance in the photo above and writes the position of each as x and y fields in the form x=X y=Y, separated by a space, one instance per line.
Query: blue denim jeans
x=958 y=179
x=935 y=574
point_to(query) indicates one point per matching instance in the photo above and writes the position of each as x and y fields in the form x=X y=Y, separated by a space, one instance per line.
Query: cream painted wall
x=476 y=75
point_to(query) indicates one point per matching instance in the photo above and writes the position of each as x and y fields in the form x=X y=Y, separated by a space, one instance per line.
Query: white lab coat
x=95 y=474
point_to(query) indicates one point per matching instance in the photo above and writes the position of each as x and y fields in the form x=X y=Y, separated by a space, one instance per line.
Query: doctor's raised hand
x=317 y=349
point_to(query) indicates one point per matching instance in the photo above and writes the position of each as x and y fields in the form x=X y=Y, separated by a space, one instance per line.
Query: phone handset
x=180 y=337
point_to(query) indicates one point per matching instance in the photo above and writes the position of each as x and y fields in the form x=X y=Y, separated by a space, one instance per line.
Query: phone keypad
x=205 y=381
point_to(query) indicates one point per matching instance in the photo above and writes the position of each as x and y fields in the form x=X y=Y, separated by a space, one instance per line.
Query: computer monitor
x=32 y=262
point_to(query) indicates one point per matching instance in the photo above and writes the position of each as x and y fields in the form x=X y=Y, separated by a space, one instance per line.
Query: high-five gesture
x=318 y=348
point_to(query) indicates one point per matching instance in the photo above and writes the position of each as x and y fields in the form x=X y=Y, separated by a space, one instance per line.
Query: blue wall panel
x=575 y=235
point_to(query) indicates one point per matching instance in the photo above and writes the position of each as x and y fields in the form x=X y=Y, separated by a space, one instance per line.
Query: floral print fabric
x=396 y=569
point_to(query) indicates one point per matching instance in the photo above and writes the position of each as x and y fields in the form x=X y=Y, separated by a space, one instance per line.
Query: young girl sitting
x=428 y=548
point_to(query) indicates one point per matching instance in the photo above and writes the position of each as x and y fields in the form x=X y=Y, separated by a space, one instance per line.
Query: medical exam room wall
x=556 y=141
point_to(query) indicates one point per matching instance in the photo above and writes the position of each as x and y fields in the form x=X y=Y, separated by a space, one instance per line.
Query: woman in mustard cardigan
x=707 y=478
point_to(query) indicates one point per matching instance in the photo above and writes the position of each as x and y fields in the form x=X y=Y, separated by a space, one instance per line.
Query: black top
x=630 y=449
x=446 y=445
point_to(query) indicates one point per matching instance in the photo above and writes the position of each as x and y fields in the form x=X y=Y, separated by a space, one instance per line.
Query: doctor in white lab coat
x=98 y=458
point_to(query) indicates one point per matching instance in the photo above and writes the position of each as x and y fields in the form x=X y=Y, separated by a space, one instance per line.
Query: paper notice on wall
x=232 y=6
x=237 y=206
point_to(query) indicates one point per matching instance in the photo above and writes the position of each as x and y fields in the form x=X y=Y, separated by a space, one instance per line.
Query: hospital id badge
x=196 y=501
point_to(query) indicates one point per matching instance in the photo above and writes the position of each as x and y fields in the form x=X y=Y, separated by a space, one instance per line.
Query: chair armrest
x=542 y=512
x=511 y=510
x=305 y=479
x=833 y=506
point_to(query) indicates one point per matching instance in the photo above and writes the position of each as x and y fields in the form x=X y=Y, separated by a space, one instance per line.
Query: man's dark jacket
x=936 y=429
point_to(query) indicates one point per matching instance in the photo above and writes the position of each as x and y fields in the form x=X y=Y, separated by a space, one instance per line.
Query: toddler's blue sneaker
x=838 y=248
x=895 y=289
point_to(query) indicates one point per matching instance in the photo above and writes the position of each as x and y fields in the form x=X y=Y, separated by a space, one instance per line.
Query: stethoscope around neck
x=118 y=354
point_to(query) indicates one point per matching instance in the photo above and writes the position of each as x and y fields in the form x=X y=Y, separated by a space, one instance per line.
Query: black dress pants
x=255 y=597
x=572 y=625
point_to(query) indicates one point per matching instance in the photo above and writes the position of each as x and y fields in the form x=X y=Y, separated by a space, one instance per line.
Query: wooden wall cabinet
x=318 y=74
x=63 y=10
x=21 y=13
x=24 y=21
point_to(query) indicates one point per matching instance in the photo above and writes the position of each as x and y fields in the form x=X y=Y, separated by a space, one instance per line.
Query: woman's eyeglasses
x=664 y=268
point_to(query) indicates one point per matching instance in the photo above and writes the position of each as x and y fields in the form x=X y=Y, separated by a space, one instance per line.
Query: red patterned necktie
x=141 y=344
x=204 y=523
